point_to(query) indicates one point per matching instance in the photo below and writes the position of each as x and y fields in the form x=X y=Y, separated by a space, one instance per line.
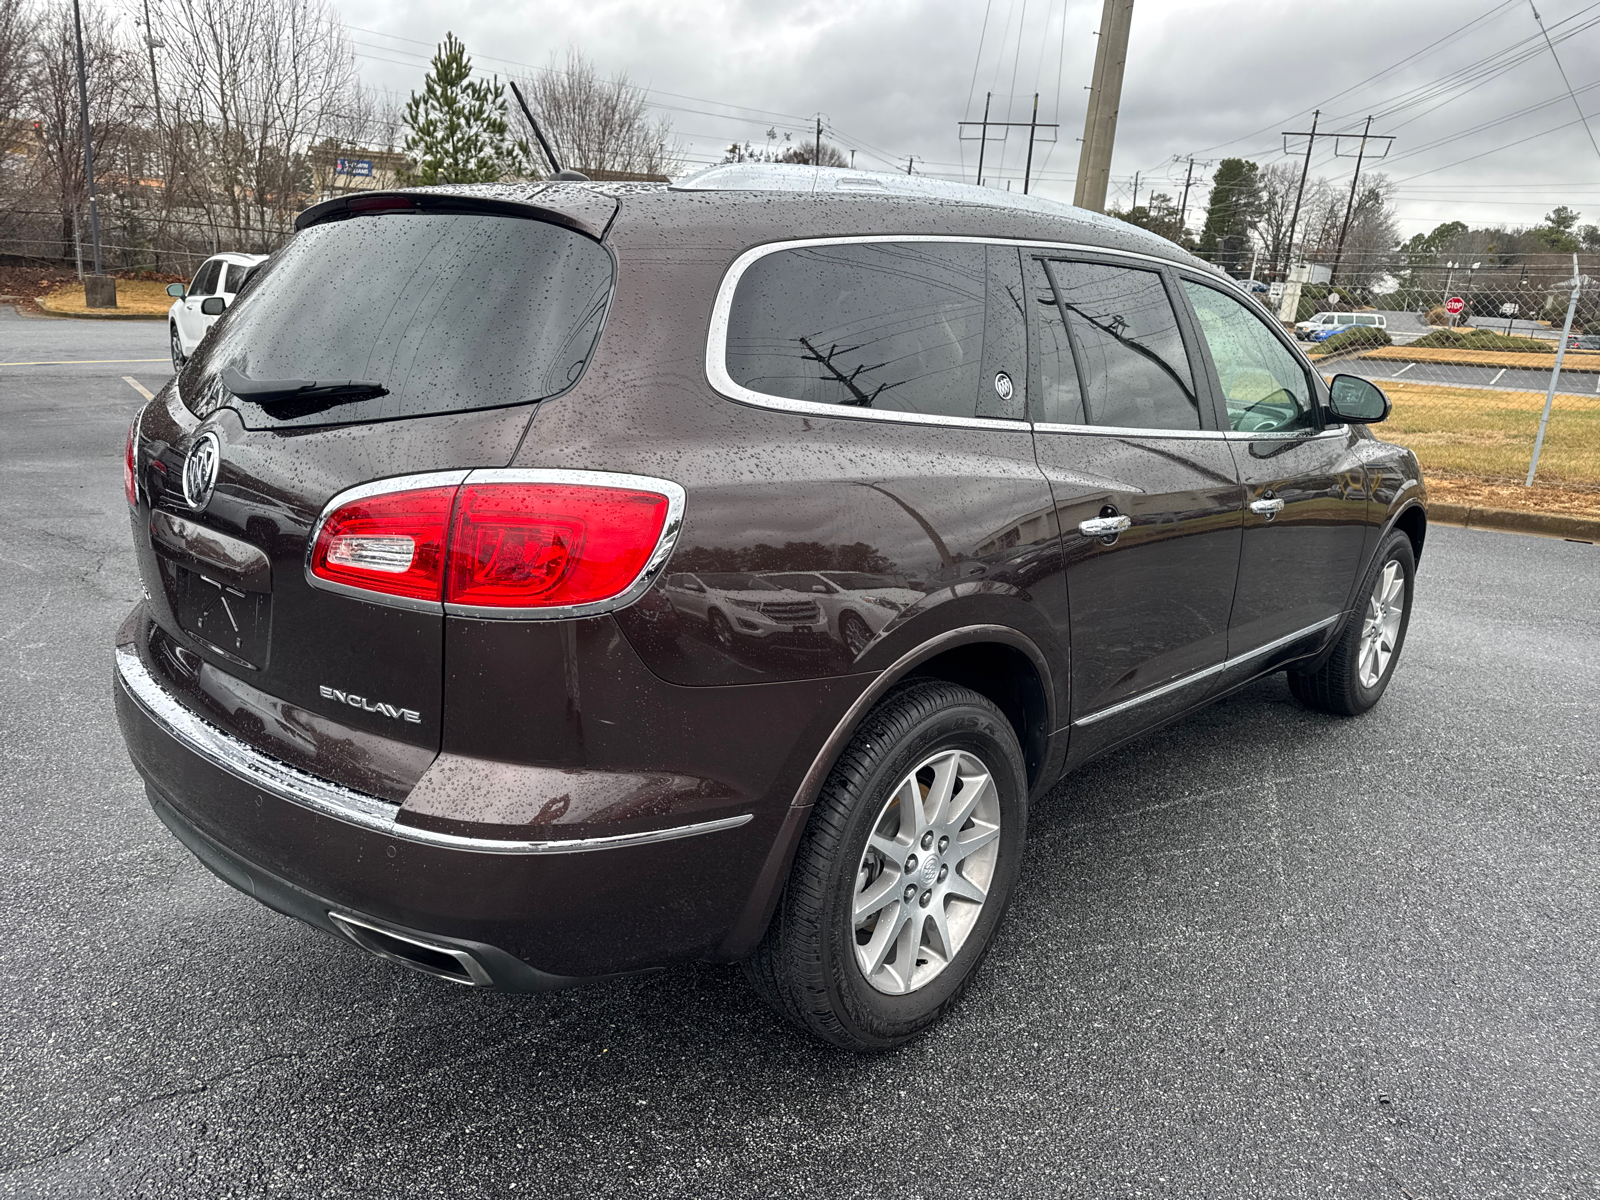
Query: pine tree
x=458 y=127
x=1234 y=208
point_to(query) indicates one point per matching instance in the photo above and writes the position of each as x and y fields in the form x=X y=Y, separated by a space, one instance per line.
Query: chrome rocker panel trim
x=1205 y=673
x=339 y=803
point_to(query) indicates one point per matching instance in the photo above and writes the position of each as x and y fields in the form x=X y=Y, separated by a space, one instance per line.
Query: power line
x=1570 y=92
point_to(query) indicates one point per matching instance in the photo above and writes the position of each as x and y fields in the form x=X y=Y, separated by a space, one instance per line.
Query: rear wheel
x=1364 y=658
x=855 y=633
x=721 y=631
x=903 y=874
x=177 y=347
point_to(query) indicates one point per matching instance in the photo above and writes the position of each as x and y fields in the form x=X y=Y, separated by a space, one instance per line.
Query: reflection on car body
x=737 y=607
x=858 y=604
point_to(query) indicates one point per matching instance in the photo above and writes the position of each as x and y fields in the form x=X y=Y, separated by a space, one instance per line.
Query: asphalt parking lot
x=1263 y=953
x=1381 y=370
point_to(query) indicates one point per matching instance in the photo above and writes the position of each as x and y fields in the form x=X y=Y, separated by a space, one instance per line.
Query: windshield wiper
x=297 y=397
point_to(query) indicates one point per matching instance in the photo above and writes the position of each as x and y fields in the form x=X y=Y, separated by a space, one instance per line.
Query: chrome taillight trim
x=332 y=800
x=676 y=502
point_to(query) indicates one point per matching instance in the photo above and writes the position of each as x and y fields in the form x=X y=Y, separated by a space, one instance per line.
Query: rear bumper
x=514 y=915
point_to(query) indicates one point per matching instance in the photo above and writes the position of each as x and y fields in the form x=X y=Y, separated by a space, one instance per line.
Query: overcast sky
x=1211 y=78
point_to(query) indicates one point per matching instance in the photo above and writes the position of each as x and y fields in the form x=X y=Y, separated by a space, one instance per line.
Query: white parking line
x=1497 y=375
x=1597 y=385
x=1402 y=370
x=138 y=387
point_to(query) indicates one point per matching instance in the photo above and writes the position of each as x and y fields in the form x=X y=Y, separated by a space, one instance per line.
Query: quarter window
x=1263 y=383
x=1119 y=329
x=888 y=326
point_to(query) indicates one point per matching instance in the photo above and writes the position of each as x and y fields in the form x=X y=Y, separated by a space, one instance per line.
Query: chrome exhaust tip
x=431 y=958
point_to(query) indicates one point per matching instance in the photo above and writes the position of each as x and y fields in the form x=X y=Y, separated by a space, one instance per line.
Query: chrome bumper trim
x=340 y=803
x=1205 y=673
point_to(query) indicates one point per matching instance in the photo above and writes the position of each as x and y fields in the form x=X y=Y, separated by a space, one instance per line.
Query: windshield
x=737 y=581
x=798 y=582
x=445 y=311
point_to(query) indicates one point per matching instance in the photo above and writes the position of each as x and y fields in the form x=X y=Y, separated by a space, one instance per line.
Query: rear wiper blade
x=306 y=395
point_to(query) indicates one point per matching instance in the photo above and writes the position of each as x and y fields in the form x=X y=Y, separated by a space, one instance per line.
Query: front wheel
x=1363 y=660
x=177 y=348
x=903 y=874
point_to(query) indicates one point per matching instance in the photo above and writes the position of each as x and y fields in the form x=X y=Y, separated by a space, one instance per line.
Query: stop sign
x=1454 y=305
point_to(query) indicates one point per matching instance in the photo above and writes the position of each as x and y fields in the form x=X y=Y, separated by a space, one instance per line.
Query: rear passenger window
x=889 y=326
x=1114 y=329
x=205 y=279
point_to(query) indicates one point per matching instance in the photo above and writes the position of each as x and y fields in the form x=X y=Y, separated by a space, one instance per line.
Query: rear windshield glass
x=444 y=311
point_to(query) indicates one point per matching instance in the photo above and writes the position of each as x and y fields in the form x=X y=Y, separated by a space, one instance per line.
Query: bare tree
x=52 y=98
x=600 y=126
x=805 y=151
x=17 y=23
x=256 y=83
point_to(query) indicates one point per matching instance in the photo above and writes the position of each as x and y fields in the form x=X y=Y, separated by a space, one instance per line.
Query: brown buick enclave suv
x=552 y=582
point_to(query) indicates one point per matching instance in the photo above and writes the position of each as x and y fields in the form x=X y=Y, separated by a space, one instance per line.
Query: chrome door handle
x=1267 y=508
x=1104 y=526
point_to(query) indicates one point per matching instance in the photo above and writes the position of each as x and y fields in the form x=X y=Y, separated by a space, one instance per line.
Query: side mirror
x=212 y=306
x=176 y=289
x=1356 y=400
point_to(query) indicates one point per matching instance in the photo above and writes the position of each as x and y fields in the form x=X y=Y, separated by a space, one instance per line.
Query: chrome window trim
x=676 y=502
x=332 y=800
x=717 y=335
x=1202 y=674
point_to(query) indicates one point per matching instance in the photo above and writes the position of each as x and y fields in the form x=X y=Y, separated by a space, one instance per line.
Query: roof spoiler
x=579 y=208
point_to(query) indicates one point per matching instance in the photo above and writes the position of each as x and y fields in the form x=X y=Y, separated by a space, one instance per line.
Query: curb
x=1510 y=520
x=102 y=316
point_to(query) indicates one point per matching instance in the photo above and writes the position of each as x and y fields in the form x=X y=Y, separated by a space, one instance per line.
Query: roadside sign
x=1508 y=310
x=353 y=166
x=1275 y=290
x=1333 y=297
x=1454 y=305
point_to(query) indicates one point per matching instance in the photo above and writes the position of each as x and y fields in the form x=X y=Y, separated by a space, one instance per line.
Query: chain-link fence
x=1468 y=351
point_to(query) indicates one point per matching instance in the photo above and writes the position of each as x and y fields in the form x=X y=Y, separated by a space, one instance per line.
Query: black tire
x=855 y=633
x=1337 y=686
x=722 y=632
x=806 y=965
x=176 y=348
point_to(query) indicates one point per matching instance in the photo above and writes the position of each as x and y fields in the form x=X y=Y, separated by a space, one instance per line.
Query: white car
x=1322 y=321
x=739 y=607
x=858 y=604
x=188 y=320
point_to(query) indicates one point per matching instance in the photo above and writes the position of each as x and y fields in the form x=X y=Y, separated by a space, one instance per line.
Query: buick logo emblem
x=200 y=470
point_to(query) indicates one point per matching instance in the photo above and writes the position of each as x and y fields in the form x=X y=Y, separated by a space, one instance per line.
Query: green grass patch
x=1481 y=339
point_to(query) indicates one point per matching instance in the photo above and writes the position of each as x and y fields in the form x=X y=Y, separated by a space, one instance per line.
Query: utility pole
x=151 y=42
x=1350 y=205
x=1105 y=97
x=910 y=158
x=983 y=137
x=1033 y=127
x=93 y=294
x=1305 y=169
x=816 y=162
x=1183 y=207
x=1135 y=203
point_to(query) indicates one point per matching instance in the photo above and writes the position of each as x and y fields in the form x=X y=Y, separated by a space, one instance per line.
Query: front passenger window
x=1263 y=383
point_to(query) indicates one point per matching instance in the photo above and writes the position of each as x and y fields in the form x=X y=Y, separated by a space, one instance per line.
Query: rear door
x=1305 y=501
x=1144 y=490
x=461 y=320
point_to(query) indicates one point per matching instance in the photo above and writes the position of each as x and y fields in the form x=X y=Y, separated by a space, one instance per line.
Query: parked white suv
x=740 y=608
x=1324 y=322
x=858 y=604
x=220 y=276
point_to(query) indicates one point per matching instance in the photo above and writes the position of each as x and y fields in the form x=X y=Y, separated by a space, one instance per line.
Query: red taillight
x=391 y=543
x=549 y=545
x=502 y=545
x=130 y=473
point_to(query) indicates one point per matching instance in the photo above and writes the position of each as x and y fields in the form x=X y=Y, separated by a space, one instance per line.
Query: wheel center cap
x=930 y=870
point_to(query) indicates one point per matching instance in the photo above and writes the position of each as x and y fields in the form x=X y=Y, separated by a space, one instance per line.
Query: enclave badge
x=200 y=470
x=410 y=715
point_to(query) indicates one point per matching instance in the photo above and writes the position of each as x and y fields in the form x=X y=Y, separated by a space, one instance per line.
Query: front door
x=1144 y=491
x=1305 y=490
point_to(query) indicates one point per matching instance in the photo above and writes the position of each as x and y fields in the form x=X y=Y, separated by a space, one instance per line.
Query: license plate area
x=224 y=617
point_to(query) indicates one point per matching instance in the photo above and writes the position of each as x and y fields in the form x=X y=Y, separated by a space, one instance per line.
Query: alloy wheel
x=1379 y=631
x=925 y=872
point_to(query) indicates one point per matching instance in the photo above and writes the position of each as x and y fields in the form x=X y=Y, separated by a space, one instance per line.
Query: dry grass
x=1506 y=493
x=135 y=297
x=1459 y=432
